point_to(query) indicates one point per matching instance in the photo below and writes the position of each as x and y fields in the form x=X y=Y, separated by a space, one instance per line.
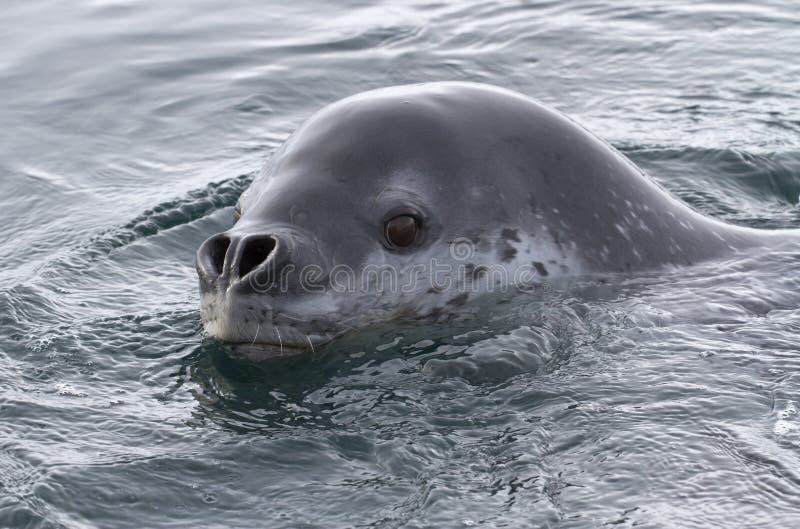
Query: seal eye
x=401 y=230
x=237 y=213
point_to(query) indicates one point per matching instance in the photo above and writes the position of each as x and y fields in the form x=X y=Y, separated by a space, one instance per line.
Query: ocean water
x=129 y=128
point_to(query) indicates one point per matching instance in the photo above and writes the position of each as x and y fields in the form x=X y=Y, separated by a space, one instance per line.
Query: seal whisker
x=313 y=352
x=258 y=329
x=289 y=317
x=279 y=338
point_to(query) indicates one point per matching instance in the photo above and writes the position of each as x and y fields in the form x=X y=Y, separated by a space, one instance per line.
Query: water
x=129 y=130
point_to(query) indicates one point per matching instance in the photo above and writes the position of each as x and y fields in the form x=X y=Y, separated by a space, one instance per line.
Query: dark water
x=129 y=128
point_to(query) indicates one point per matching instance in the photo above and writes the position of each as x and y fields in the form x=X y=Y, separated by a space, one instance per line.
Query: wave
x=194 y=205
x=757 y=190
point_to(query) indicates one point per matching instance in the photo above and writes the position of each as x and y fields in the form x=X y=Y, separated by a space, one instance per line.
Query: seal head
x=413 y=200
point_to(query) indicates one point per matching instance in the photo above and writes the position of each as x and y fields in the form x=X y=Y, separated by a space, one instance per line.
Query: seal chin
x=285 y=340
x=259 y=352
x=228 y=321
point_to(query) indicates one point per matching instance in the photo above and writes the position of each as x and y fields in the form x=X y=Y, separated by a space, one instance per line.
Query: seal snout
x=224 y=258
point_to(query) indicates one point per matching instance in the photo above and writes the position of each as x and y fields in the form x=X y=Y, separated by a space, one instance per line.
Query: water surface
x=129 y=128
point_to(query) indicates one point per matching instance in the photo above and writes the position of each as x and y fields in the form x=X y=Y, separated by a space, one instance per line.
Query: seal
x=414 y=200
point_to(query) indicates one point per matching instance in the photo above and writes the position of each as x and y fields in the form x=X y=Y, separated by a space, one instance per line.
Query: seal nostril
x=217 y=249
x=255 y=251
